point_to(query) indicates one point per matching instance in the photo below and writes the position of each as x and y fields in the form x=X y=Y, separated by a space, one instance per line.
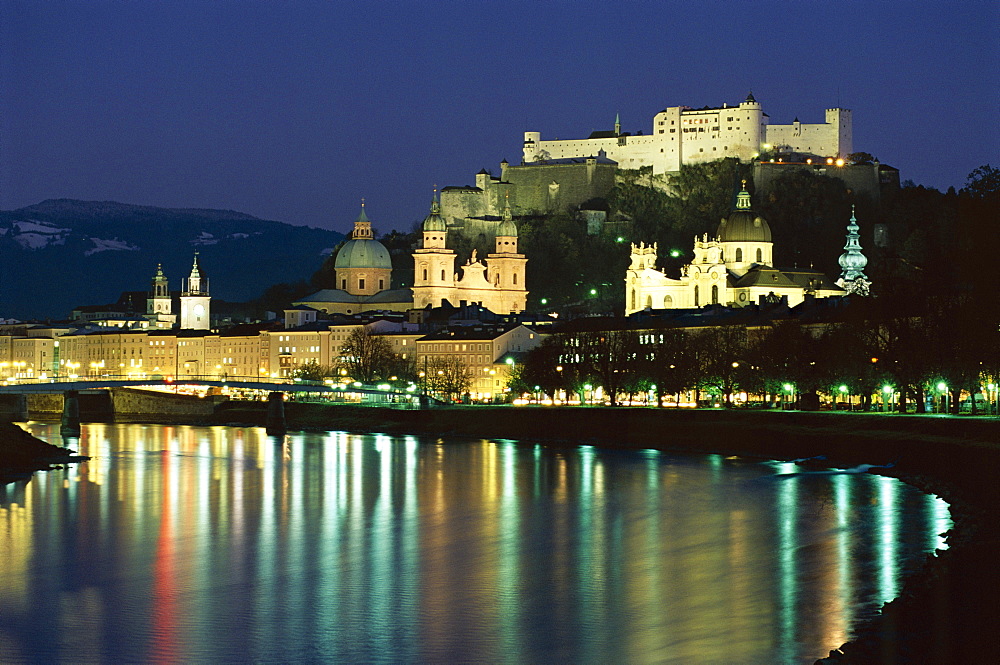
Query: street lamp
x=789 y=388
x=943 y=403
x=887 y=390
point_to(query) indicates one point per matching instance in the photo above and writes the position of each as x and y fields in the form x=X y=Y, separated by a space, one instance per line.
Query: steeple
x=618 y=125
x=194 y=286
x=853 y=262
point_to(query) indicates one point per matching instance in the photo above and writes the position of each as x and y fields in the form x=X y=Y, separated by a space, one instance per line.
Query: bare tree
x=448 y=376
x=367 y=357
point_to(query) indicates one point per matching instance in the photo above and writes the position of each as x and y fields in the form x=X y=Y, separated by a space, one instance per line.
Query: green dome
x=507 y=228
x=363 y=253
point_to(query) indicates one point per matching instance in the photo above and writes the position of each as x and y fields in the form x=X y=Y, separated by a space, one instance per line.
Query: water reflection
x=179 y=544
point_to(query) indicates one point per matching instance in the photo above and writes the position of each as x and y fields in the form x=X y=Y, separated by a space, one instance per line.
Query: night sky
x=294 y=111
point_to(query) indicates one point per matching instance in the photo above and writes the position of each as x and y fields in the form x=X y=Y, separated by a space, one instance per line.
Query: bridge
x=72 y=390
x=40 y=386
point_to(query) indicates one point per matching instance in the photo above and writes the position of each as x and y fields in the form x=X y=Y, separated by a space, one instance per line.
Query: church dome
x=362 y=250
x=743 y=224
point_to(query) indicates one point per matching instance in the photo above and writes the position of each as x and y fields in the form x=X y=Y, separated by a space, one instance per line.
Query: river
x=178 y=544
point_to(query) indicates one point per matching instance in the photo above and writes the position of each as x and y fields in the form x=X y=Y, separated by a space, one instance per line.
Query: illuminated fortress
x=684 y=135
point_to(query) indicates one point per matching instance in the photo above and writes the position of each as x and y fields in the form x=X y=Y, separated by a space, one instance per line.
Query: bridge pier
x=70 y=414
x=275 y=423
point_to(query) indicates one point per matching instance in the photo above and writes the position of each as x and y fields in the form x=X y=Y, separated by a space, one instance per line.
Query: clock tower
x=195 y=300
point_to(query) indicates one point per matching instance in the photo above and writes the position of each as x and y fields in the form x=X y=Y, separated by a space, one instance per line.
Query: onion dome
x=434 y=221
x=362 y=250
x=743 y=225
x=852 y=261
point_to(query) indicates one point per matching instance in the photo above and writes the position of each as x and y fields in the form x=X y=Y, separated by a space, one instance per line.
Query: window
x=672 y=131
x=381 y=284
x=696 y=302
x=343 y=284
x=425 y=274
x=739 y=254
x=715 y=294
x=515 y=277
x=760 y=255
x=667 y=302
x=361 y=283
x=442 y=275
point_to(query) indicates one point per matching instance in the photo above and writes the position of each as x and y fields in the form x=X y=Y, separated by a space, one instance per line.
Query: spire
x=743 y=198
x=853 y=262
x=433 y=223
x=362 y=225
x=618 y=125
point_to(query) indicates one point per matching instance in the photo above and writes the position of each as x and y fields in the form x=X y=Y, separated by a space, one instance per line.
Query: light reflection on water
x=187 y=544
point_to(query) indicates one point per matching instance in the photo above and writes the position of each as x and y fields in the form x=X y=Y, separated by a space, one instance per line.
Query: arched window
x=739 y=254
x=696 y=301
x=496 y=280
x=425 y=274
x=715 y=294
x=633 y=298
x=514 y=275
x=667 y=302
x=649 y=302
x=760 y=255
x=442 y=275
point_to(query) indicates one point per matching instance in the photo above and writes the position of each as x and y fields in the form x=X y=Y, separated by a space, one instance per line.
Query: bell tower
x=433 y=262
x=506 y=267
x=195 y=300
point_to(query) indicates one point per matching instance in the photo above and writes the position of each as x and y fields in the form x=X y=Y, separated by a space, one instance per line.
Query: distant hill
x=61 y=253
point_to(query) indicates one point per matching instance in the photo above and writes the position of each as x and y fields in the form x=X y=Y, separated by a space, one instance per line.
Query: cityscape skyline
x=295 y=112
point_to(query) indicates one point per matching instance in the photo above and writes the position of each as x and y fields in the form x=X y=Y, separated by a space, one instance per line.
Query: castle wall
x=551 y=187
x=682 y=135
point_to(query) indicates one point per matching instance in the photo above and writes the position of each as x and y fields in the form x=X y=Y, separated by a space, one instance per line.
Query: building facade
x=496 y=283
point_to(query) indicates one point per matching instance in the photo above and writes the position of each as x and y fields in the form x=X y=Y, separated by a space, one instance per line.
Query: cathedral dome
x=743 y=224
x=362 y=250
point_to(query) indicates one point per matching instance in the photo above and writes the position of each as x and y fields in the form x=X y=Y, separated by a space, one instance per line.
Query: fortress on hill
x=684 y=135
x=559 y=174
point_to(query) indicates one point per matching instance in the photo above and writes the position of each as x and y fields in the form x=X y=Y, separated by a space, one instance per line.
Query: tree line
x=950 y=349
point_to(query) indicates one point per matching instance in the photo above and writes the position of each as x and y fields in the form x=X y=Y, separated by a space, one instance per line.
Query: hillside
x=62 y=253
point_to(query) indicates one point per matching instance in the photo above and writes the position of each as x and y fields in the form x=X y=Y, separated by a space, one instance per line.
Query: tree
x=983 y=182
x=367 y=357
x=448 y=376
x=313 y=371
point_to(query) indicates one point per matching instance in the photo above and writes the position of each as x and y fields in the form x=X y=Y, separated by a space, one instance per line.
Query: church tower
x=853 y=262
x=506 y=267
x=158 y=301
x=433 y=262
x=195 y=300
x=159 y=306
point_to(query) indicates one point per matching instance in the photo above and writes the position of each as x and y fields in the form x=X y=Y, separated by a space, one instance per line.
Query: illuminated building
x=684 y=135
x=195 y=301
x=734 y=268
x=496 y=283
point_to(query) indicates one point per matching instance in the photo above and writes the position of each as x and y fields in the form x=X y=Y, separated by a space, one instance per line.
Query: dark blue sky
x=295 y=110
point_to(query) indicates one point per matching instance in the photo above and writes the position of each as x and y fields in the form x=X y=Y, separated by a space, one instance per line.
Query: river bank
x=22 y=454
x=946 y=613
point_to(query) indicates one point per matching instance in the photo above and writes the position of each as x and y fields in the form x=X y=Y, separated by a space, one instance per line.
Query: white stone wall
x=681 y=135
